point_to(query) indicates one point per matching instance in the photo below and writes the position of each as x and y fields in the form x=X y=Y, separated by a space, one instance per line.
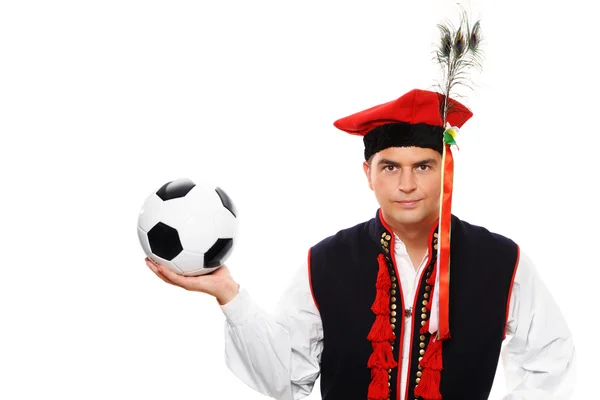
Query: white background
x=102 y=102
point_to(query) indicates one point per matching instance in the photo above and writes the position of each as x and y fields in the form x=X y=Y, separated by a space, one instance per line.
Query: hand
x=218 y=283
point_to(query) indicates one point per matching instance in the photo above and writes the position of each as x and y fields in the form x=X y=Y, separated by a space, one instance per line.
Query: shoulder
x=343 y=237
x=480 y=234
x=345 y=241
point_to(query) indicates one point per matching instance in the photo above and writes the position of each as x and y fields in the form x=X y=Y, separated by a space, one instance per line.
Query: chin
x=409 y=217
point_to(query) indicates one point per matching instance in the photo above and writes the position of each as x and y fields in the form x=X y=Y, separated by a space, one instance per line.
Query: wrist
x=230 y=290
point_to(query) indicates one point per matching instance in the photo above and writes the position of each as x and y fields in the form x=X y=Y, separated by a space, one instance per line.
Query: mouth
x=407 y=203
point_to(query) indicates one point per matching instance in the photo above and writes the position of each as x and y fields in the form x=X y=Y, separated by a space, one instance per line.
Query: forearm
x=539 y=359
x=257 y=348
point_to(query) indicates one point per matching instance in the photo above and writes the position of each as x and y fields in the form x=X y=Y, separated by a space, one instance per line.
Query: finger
x=154 y=269
x=179 y=280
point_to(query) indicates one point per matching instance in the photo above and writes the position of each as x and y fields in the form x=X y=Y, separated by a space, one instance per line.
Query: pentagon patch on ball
x=190 y=228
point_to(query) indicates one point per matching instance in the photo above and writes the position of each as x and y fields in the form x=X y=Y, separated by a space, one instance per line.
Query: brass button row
x=385 y=238
x=424 y=317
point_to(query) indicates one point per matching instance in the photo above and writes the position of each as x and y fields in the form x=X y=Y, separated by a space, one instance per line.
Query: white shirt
x=279 y=355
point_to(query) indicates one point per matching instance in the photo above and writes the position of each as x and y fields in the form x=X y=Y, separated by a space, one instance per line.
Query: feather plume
x=458 y=51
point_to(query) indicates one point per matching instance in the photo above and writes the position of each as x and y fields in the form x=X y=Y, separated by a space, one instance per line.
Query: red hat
x=414 y=119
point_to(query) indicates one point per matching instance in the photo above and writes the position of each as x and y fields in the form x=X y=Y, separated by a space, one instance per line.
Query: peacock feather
x=458 y=50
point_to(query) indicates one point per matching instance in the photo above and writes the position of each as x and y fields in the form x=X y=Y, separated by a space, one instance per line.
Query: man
x=375 y=311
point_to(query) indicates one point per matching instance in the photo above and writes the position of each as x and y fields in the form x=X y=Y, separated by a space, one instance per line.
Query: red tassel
x=432 y=362
x=381 y=305
x=380 y=335
x=432 y=359
x=428 y=387
x=383 y=276
x=378 y=389
x=381 y=330
x=382 y=356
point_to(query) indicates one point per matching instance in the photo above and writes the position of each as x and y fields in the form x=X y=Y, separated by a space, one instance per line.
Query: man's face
x=407 y=184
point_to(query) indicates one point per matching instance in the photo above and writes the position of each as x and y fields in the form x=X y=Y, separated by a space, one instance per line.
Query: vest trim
x=512 y=284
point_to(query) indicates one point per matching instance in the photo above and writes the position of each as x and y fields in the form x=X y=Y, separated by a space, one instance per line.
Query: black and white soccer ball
x=190 y=228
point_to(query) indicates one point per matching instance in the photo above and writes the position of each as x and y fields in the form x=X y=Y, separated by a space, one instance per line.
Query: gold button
x=385 y=244
x=393 y=306
x=393 y=291
x=386 y=250
x=422 y=345
x=388 y=237
x=393 y=313
x=424 y=302
x=420 y=368
x=383 y=234
x=393 y=279
x=435 y=234
x=390 y=370
x=420 y=358
x=419 y=373
x=424 y=316
x=428 y=288
x=435 y=246
x=393 y=326
x=389 y=377
x=394 y=285
x=424 y=309
x=422 y=323
x=418 y=380
x=426 y=295
x=390 y=384
x=393 y=299
x=393 y=320
x=422 y=337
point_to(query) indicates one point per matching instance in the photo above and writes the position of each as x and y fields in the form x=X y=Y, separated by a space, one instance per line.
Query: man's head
x=404 y=141
x=407 y=184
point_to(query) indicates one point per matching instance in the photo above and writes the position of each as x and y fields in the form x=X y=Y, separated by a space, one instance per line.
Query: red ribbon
x=444 y=243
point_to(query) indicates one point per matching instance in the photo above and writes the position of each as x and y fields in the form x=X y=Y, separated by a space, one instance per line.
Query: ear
x=367 y=170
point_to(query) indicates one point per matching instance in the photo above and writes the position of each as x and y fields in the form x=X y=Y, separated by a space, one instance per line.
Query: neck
x=413 y=235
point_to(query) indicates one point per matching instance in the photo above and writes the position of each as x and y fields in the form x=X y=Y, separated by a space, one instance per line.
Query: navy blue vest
x=343 y=272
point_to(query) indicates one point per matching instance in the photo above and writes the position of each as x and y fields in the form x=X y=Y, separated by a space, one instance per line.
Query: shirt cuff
x=241 y=309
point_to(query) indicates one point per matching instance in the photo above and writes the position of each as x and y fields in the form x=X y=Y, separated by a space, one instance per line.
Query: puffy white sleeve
x=539 y=358
x=278 y=355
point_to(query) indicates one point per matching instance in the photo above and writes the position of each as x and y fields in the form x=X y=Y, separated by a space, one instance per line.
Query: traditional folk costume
x=371 y=326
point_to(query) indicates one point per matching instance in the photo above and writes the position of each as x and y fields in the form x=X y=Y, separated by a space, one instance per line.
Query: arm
x=539 y=359
x=276 y=356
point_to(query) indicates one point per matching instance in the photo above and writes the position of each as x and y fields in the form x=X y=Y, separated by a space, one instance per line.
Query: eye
x=389 y=168
x=424 y=167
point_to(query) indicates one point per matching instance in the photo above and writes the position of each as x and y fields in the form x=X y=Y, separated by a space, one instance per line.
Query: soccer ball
x=189 y=228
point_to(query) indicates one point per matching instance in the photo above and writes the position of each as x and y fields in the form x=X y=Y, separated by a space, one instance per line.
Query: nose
x=407 y=182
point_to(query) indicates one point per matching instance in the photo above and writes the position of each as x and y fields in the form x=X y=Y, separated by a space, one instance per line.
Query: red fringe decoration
x=383 y=276
x=381 y=330
x=381 y=306
x=382 y=356
x=428 y=387
x=432 y=362
x=380 y=336
x=378 y=388
x=432 y=359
